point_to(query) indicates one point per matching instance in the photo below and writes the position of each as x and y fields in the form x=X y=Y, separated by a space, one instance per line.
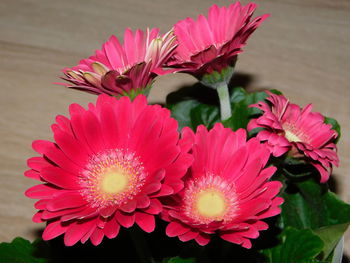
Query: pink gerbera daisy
x=107 y=168
x=303 y=133
x=227 y=189
x=123 y=69
x=212 y=44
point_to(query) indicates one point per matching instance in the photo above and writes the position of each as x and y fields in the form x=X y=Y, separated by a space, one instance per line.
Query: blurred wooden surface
x=302 y=49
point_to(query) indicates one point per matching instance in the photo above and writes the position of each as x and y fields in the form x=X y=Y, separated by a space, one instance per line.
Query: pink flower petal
x=126 y=220
x=129 y=206
x=111 y=229
x=41 y=191
x=76 y=231
x=145 y=221
x=96 y=237
x=176 y=229
x=188 y=236
x=37 y=217
x=60 y=178
x=66 y=200
x=154 y=208
x=202 y=239
x=53 y=230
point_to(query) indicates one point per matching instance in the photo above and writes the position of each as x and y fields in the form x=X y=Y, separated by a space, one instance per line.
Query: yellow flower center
x=114 y=182
x=291 y=136
x=211 y=204
x=112 y=178
x=209 y=199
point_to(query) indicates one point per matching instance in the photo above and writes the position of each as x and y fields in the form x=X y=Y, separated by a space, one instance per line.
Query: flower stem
x=140 y=244
x=224 y=97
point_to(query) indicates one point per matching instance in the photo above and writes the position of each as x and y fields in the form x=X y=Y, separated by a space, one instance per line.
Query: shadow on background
x=205 y=94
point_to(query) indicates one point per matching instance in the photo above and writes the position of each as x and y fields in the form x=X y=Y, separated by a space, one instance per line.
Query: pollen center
x=291 y=137
x=114 y=182
x=210 y=198
x=211 y=204
x=112 y=178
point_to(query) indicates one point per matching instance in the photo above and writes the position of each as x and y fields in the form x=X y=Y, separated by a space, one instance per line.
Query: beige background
x=302 y=49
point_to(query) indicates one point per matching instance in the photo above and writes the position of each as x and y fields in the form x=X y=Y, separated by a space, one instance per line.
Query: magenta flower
x=212 y=44
x=107 y=168
x=227 y=189
x=208 y=48
x=302 y=133
x=123 y=69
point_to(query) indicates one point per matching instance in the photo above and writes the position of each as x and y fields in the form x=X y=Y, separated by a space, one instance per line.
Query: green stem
x=224 y=97
x=140 y=244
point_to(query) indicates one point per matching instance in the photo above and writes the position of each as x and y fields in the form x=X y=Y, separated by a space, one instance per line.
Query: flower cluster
x=112 y=165
x=122 y=161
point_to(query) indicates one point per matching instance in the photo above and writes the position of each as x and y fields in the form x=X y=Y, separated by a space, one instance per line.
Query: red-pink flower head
x=212 y=44
x=227 y=189
x=123 y=69
x=303 y=133
x=107 y=168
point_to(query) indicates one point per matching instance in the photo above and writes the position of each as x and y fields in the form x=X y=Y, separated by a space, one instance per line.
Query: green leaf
x=241 y=113
x=204 y=114
x=191 y=113
x=335 y=126
x=275 y=91
x=312 y=206
x=238 y=94
x=182 y=112
x=20 y=251
x=305 y=208
x=298 y=246
x=338 y=220
x=338 y=212
x=330 y=236
x=180 y=260
x=316 y=261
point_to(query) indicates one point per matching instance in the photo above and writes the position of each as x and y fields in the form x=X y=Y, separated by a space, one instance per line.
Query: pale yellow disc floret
x=211 y=204
x=291 y=137
x=114 y=182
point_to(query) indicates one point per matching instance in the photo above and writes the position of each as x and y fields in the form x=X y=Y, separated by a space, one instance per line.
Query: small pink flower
x=123 y=69
x=107 y=168
x=227 y=189
x=303 y=133
x=212 y=44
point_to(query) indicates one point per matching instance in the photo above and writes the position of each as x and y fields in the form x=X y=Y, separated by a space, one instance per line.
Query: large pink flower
x=212 y=44
x=123 y=69
x=300 y=131
x=107 y=168
x=227 y=189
